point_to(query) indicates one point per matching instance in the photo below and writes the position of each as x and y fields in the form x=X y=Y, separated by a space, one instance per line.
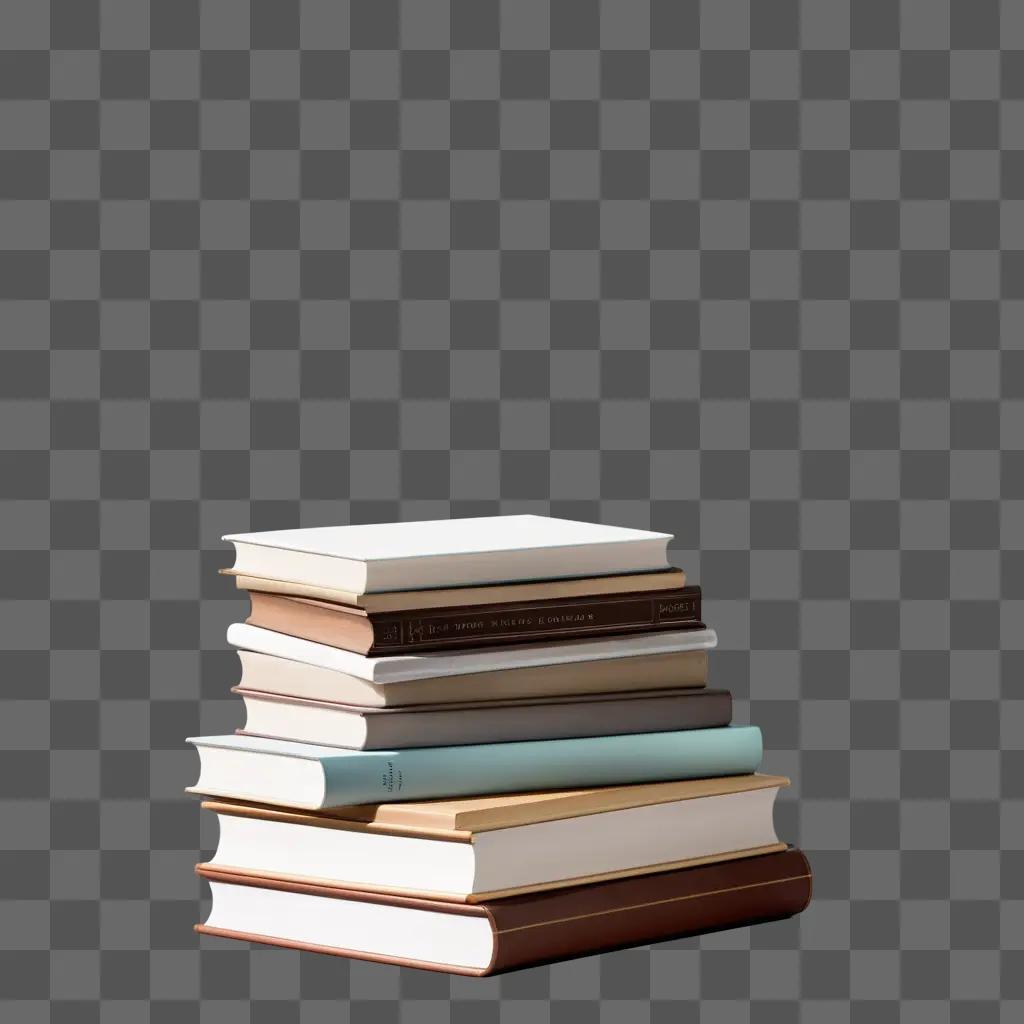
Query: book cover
x=460 y=817
x=309 y=776
x=374 y=633
x=448 y=552
x=481 y=593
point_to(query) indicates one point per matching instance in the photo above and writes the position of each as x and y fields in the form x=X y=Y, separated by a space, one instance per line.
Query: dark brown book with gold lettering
x=426 y=629
x=506 y=934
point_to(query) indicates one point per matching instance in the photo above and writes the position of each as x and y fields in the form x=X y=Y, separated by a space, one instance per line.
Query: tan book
x=455 y=597
x=463 y=816
x=476 y=848
x=270 y=674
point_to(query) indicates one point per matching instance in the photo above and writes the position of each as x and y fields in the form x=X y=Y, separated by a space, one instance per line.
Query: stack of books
x=476 y=745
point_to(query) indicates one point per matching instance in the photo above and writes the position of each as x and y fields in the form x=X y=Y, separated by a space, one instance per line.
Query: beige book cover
x=458 y=819
x=454 y=597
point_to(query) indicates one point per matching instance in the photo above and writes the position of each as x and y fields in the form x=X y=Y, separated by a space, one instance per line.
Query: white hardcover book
x=640 y=829
x=266 y=673
x=403 y=667
x=447 y=552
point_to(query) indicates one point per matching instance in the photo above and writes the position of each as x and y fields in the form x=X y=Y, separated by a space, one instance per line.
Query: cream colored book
x=313 y=776
x=402 y=667
x=269 y=674
x=447 y=552
x=457 y=597
x=478 y=848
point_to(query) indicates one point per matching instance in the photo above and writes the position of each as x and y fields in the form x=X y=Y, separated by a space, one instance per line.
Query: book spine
x=529 y=622
x=701 y=709
x=651 y=908
x=420 y=773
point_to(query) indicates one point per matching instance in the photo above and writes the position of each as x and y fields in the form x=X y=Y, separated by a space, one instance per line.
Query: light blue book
x=303 y=775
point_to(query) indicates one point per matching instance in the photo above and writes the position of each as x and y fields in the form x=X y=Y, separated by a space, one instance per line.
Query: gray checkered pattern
x=749 y=272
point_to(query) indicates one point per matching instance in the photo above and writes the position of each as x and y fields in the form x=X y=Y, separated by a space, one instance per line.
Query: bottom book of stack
x=482 y=885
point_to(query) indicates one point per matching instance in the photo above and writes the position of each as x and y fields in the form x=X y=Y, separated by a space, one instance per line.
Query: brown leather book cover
x=538 y=928
x=370 y=633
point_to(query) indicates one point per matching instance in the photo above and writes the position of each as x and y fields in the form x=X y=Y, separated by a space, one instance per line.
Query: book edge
x=475 y=898
x=422 y=816
x=643 y=536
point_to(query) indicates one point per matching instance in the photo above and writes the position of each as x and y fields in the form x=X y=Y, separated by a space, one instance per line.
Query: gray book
x=473 y=722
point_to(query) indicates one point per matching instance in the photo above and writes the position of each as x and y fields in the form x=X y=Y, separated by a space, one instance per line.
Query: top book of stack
x=389 y=557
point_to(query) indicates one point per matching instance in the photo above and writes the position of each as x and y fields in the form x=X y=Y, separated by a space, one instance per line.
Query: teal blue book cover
x=360 y=776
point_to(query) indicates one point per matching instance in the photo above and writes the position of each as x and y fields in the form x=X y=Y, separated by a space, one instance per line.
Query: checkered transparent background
x=748 y=272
